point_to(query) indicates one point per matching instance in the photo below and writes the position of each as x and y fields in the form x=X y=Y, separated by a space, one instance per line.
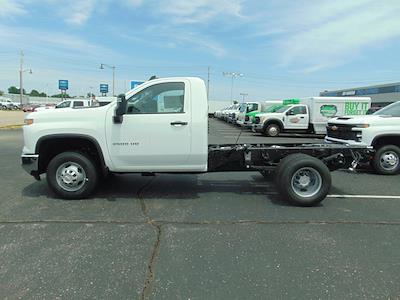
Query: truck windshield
x=390 y=110
x=283 y=109
x=273 y=108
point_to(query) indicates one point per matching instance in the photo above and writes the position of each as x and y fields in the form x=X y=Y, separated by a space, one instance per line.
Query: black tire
x=272 y=130
x=291 y=168
x=78 y=163
x=384 y=157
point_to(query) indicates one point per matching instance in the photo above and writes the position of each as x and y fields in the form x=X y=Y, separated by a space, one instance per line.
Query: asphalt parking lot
x=211 y=236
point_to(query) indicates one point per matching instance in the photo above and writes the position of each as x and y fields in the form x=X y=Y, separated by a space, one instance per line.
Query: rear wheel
x=303 y=180
x=72 y=175
x=387 y=160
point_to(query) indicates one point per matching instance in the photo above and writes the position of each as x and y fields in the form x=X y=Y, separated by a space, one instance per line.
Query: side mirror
x=289 y=113
x=120 y=109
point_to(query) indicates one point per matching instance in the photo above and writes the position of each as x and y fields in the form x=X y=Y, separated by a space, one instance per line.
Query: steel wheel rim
x=389 y=160
x=306 y=182
x=273 y=131
x=71 y=176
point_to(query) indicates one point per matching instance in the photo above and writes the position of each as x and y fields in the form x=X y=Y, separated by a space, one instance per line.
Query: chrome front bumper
x=30 y=163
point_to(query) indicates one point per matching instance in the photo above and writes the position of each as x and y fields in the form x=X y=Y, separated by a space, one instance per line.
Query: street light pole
x=20 y=77
x=233 y=75
x=243 y=95
x=113 y=81
x=21 y=71
x=113 y=68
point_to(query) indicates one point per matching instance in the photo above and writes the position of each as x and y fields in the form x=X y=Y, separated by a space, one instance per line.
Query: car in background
x=8 y=104
x=29 y=107
x=73 y=103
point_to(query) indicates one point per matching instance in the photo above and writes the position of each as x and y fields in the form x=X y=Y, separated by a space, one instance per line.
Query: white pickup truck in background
x=70 y=103
x=161 y=126
x=380 y=130
x=6 y=103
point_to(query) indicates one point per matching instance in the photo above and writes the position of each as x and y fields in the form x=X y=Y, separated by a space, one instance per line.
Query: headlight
x=361 y=126
x=28 y=121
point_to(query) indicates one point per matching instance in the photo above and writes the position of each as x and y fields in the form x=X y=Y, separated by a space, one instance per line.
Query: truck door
x=297 y=117
x=155 y=134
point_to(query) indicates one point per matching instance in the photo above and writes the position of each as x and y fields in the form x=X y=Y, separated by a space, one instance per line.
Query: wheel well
x=276 y=122
x=386 y=140
x=50 y=147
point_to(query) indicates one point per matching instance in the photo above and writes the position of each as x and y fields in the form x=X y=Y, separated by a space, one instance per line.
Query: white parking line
x=364 y=196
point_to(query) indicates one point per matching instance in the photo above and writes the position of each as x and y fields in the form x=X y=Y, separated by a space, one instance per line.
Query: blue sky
x=283 y=48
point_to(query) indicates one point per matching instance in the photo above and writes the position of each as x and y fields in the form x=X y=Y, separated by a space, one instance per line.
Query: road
x=210 y=236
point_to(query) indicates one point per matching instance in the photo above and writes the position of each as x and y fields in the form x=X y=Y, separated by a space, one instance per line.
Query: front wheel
x=386 y=160
x=72 y=175
x=272 y=130
x=304 y=180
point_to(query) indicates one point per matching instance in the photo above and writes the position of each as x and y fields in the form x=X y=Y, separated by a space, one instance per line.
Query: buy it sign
x=355 y=108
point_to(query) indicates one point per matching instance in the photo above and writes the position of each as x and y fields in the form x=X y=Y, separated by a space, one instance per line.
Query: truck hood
x=269 y=115
x=352 y=120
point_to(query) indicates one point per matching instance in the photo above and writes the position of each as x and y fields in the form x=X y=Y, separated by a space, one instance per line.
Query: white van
x=309 y=114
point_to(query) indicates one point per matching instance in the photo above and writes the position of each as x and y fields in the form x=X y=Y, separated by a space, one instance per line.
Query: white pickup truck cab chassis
x=161 y=127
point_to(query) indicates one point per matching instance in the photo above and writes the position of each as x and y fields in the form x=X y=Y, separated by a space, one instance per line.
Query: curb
x=13 y=126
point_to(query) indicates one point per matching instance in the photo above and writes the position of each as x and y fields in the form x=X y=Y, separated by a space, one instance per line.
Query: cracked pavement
x=210 y=236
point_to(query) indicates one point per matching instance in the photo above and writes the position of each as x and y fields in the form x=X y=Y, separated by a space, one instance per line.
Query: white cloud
x=9 y=9
x=79 y=11
x=47 y=41
x=326 y=34
x=198 y=11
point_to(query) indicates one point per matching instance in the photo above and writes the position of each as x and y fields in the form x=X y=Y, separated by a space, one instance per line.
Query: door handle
x=178 y=123
x=301 y=117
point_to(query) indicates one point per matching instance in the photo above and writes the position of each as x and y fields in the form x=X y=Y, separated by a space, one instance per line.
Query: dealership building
x=381 y=95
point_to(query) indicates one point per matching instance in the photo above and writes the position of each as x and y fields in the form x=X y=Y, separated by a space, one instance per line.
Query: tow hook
x=356 y=160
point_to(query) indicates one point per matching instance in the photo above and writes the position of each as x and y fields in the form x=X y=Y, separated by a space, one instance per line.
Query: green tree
x=1 y=93
x=14 y=90
x=34 y=93
x=42 y=94
x=61 y=95
x=235 y=102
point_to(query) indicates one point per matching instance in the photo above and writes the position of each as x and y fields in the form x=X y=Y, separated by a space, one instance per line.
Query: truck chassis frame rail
x=302 y=171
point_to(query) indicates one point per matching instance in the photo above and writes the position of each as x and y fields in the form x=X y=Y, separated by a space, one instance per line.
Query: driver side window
x=163 y=98
x=298 y=110
x=64 y=104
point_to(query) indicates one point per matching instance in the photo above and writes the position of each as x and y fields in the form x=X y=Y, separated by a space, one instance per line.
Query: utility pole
x=21 y=91
x=233 y=75
x=113 y=68
x=243 y=95
x=21 y=72
x=208 y=83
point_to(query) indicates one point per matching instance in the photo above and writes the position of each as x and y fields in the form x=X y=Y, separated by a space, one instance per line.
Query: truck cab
x=246 y=108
